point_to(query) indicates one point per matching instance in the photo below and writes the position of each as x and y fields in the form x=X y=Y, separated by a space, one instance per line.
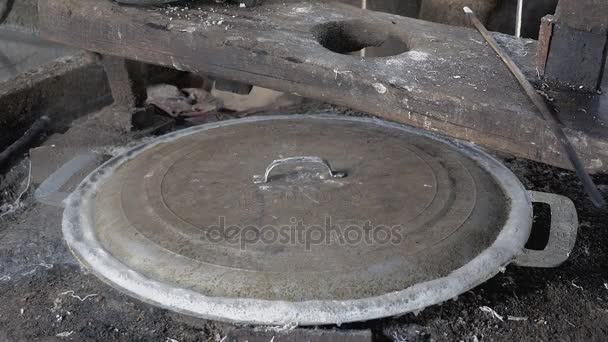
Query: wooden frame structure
x=449 y=81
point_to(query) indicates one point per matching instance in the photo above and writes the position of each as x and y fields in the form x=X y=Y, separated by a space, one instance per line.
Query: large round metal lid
x=298 y=219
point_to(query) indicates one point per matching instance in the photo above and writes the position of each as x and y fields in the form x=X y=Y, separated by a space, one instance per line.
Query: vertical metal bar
x=364 y=6
x=518 y=17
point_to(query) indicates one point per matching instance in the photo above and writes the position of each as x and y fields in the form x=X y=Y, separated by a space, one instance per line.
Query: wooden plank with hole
x=448 y=81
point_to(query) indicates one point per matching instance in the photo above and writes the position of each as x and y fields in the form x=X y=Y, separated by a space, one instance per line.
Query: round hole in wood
x=358 y=38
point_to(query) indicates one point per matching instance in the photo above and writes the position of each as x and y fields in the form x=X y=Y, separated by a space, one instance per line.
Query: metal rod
x=596 y=197
x=363 y=6
x=518 y=17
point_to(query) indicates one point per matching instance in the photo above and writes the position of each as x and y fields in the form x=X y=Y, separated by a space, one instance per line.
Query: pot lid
x=306 y=219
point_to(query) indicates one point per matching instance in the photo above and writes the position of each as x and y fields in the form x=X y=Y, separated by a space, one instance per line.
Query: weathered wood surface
x=584 y=15
x=578 y=36
x=450 y=82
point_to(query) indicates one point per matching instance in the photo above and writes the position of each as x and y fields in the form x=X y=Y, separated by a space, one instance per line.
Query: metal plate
x=185 y=223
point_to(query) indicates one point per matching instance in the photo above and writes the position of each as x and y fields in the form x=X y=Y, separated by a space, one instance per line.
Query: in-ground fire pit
x=305 y=220
x=562 y=303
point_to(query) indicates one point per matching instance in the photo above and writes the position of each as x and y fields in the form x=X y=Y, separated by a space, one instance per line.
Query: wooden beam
x=449 y=81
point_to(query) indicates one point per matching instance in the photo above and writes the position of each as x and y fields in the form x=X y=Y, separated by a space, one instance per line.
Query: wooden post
x=128 y=90
x=574 y=43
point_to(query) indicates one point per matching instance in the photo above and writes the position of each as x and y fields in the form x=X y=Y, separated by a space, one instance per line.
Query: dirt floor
x=46 y=296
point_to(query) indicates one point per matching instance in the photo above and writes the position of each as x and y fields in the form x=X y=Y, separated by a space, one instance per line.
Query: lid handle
x=298 y=160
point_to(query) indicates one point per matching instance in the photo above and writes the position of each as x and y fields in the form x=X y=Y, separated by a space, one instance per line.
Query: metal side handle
x=297 y=160
x=564 y=225
x=49 y=191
